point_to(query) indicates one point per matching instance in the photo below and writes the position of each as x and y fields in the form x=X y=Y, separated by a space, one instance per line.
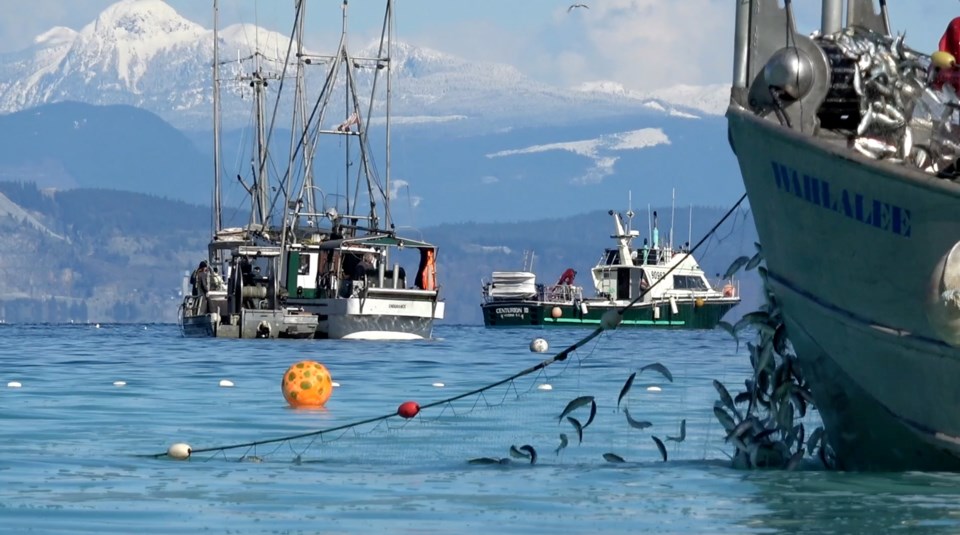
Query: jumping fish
x=593 y=413
x=795 y=459
x=656 y=366
x=726 y=399
x=576 y=425
x=729 y=328
x=754 y=262
x=515 y=452
x=574 y=405
x=626 y=388
x=735 y=266
x=661 y=447
x=683 y=432
x=613 y=458
x=636 y=424
x=563 y=443
x=725 y=420
x=484 y=460
x=531 y=452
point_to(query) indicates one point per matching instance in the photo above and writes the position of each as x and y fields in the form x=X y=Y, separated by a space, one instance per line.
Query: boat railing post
x=396 y=275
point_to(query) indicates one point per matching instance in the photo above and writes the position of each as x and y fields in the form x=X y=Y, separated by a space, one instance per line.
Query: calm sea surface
x=74 y=447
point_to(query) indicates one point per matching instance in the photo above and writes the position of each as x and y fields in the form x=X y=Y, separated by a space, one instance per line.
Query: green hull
x=537 y=314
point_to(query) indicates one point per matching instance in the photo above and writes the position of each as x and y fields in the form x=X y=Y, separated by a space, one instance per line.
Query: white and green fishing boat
x=675 y=291
x=848 y=149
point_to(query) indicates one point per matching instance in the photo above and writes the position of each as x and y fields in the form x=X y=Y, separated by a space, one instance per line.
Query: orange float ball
x=307 y=384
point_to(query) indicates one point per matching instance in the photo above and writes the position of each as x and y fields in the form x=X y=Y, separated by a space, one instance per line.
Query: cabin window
x=304 y=264
x=613 y=257
x=689 y=282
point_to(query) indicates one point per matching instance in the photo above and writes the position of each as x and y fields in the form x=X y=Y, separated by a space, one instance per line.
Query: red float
x=408 y=409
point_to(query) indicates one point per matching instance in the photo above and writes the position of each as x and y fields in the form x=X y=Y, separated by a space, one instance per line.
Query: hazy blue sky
x=643 y=44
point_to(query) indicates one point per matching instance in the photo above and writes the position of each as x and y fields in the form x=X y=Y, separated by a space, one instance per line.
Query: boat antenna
x=673 y=209
x=217 y=215
x=649 y=224
x=630 y=212
x=690 y=227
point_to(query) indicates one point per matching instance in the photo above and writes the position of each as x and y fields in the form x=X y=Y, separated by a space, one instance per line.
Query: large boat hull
x=250 y=324
x=526 y=313
x=851 y=246
x=374 y=318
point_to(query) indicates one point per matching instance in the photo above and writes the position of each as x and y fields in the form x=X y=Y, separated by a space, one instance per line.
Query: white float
x=539 y=345
x=226 y=383
x=179 y=451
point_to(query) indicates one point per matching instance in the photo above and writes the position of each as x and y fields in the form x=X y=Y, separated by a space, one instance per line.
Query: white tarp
x=513 y=284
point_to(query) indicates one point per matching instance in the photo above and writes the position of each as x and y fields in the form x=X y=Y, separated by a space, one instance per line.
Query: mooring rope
x=559 y=357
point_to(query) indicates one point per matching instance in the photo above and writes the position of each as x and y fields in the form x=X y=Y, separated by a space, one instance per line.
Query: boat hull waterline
x=688 y=315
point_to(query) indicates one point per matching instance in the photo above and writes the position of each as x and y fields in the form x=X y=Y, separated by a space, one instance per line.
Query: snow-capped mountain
x=143 y=53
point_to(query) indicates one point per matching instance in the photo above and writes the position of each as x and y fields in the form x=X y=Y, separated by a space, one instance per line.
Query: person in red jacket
x=945 y=67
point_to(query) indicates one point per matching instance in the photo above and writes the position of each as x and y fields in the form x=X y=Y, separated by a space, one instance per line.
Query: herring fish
x=735 y=266
x=656 y=366
x=563 y=443
x=613 y=458
x=576 y=425
x=683 y=432
x=626 y=388
x=661 y=447
x=593 y=414
x=574 y=405
x=636 y=424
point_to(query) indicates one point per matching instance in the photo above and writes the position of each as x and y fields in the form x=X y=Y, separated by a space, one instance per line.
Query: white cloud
x=489 y=179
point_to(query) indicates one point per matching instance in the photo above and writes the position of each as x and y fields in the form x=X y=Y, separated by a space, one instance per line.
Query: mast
x=217 y=216
x=259 y=215
x=346 y=142
x=389 y=23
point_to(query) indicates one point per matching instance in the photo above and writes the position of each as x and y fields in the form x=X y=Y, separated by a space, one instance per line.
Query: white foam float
x=539 y=345
x=654 y=389
x=119 y=383
x=14 y=384
x=544 y=386
x=179 y=451
x=335 y=384
x=226 y=383
x=439 y=385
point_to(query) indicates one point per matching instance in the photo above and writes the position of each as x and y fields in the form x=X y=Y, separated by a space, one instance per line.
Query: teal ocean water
x=75 y=448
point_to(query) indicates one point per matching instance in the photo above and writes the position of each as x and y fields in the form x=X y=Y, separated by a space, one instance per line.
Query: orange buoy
x=556 y=313
x=307 y=384
x=408 y=409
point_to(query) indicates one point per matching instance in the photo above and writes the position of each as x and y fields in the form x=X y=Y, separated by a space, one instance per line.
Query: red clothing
x=950 y=42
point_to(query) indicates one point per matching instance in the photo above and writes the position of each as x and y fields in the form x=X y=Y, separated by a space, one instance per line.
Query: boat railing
x=561 y=293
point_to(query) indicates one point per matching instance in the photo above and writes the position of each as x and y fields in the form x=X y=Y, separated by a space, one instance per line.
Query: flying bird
x=574 y=6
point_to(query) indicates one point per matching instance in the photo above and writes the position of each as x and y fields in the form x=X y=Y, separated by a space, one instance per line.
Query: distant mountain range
x=94 y=255
x=143 y=53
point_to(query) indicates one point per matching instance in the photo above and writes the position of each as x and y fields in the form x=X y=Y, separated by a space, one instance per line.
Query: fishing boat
x=847 y=143
x=242 y=297
x=674 y=291
x=343 y=257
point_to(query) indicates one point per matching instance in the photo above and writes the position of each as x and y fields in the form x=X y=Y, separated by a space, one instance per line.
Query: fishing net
x=605 y=395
